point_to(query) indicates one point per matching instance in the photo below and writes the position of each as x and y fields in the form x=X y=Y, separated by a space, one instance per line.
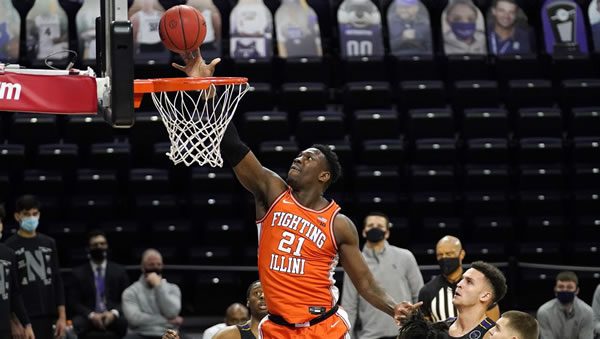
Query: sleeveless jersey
x=148 y=27
x=297 y=255
x=478 y=332
x=245 y=331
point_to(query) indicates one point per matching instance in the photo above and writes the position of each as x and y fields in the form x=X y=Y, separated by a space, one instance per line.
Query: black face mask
x=97 y=254
x=449 y=265
x=375 y=235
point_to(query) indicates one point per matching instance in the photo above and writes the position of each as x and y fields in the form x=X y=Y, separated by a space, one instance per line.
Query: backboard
x=115 y=53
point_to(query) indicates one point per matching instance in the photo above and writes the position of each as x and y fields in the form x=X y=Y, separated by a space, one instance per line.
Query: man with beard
x=95 y=295
x=437 y=294
x=506 y=37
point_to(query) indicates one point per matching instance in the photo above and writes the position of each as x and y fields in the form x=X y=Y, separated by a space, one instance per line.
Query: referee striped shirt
x=437 y=296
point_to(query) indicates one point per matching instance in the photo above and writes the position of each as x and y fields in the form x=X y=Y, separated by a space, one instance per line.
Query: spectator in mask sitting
x=566 y=316
x=95 y=295
x=151 y=305
x=462 y=35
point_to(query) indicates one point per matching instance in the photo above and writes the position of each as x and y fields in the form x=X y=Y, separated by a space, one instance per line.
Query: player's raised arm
x=263 y=183
x=355 y=266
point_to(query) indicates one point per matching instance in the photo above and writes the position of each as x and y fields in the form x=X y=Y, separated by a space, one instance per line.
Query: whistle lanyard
x=494 y=41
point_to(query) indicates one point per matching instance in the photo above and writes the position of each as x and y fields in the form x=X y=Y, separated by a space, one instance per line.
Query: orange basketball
x=182 y=29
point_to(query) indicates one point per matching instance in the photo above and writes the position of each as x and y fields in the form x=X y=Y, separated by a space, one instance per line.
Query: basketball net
x=196 y=124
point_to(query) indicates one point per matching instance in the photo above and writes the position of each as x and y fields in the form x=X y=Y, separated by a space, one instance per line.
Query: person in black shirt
x=438 y=293
x=38 y=271
x=480 y=289
x=95 y=297
x=11 y=301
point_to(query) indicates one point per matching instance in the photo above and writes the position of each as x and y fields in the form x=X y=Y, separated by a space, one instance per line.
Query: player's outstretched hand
x=170 y=334
x=404 y=309
x=195 y=66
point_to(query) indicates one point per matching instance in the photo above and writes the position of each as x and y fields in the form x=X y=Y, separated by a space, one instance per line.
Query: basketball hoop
x=196 y=112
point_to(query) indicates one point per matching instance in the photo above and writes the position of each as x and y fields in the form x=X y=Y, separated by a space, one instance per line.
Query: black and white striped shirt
x=437 y=297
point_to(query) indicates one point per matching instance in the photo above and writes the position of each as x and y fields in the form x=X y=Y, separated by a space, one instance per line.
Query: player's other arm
x=263 y=183
x=355 y=266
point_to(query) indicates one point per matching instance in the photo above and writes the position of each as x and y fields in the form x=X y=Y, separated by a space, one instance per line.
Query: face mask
x=448 y=265
x=463 y=30
x=98 y=254
x=29 y=224
x=565 y=297
x=375 y=235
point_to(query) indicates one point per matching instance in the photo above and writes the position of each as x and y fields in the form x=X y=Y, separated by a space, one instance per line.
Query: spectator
x=151 y=305
x=507 y=34
x=437 y=294
x=10 y=294
x=566 y=316
x=96 y=292
x=255 y=300
x=409 y=28
x=461 y=33
x=480 y=289
x=38 y=273
x=235 y=314
x=596 y=310
x=394 y=268
x=515 y=325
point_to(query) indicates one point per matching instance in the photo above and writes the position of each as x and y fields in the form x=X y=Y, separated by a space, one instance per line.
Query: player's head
x=481 y=285
x=236 y=314
x=97 y=245
x=566 y=287
x=255 y=300
x=449 y=254
x=317 y=165
x=505 y=13
x=27 y=212
x=515 y=325
x=376 y=227
x=152 y=261
x=417 y=327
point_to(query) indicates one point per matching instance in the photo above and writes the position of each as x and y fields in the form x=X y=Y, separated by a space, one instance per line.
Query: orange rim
x=141 y=86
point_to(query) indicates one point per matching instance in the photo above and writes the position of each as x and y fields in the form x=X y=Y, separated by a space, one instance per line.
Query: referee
x=437 y=294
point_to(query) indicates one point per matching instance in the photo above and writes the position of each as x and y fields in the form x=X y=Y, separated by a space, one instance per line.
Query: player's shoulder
x=229 y=332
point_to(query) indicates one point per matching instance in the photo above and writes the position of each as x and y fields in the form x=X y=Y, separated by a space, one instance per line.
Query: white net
x=195 y=124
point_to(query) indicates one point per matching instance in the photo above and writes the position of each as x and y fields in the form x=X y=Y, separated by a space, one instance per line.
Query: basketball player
x=515 y=325
x=301 y=237
x=255 y=301
x=480 y=289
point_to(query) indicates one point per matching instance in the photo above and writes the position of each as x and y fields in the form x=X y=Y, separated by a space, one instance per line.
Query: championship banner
x=54 y=94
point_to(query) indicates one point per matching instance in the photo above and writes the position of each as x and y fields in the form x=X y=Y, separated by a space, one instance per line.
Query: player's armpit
x=229 y=332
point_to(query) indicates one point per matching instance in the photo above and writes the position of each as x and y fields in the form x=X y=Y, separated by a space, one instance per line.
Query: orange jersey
x=297 y=255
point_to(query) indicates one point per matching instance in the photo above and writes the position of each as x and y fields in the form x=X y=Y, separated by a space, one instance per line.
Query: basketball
x=182 y=29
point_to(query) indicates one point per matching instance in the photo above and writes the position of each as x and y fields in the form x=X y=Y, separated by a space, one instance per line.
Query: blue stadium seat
x=487 y=177
x=475 y=94
x=528 y=93
x=382 y=152
x=320 y=127
x=88 y=129
x=426 y=178
x=580 y=92
x=303 y=96
x=541 y=177
x=421 y=94
x=538 y=122
x=95 y=182
x=436 y=151
x=367 y=95
x=212 y=180
x=259 y=126
x=32 y=129
x=278 y=154
x=585 y=121
x=487 y=151
x=541 y=150
x=377 y=178
x=586 y=150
